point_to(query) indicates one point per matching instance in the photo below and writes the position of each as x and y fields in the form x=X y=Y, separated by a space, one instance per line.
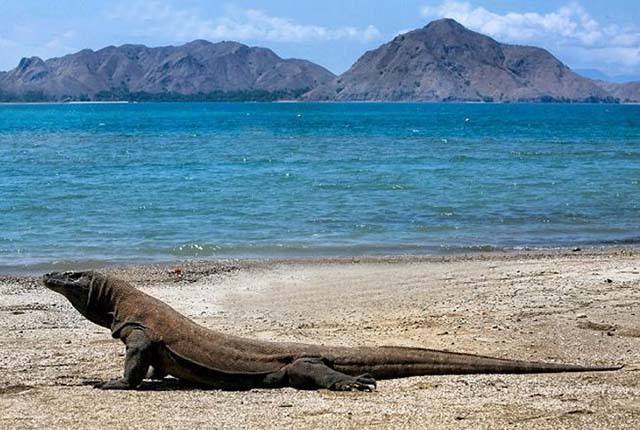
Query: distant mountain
x=597 y=75
x=194 y=70
x=442 y=61
x=594 y=74
x=625 y=93
x=445 y=61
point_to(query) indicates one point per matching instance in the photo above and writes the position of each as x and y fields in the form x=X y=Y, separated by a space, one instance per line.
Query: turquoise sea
x=126 y=183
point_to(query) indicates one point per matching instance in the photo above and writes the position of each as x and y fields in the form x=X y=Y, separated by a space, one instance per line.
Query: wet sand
x=576 y=307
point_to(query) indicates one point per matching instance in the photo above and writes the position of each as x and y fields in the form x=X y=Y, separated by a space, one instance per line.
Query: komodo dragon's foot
x=311 y=373
x=358 y=383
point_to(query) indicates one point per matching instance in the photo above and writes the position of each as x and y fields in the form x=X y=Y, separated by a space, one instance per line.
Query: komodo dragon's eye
x=74 y=276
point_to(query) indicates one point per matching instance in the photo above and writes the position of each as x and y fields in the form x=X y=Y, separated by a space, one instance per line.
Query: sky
x=584 y=34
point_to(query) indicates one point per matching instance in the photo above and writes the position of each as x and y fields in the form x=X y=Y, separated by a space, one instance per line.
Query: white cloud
x=59 y=42
x=237 y=24
x=32 y=43
x=570 y=26
x=6 y=43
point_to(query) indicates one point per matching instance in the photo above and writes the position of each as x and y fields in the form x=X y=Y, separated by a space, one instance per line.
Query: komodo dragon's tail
x=390 y=362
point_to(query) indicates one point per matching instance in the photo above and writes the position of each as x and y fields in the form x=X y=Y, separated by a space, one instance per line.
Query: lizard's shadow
x=166 y=384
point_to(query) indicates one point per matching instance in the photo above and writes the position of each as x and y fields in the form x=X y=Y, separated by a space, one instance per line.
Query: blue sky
x=585 y=34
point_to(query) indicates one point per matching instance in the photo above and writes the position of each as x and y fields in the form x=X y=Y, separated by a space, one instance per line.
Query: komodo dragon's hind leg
x=136 y=361
x=313 y=373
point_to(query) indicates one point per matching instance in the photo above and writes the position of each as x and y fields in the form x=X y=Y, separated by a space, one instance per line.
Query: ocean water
x=120 y=183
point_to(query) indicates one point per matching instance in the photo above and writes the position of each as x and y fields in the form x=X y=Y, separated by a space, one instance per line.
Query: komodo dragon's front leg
x=312 y=373
x=136 y=362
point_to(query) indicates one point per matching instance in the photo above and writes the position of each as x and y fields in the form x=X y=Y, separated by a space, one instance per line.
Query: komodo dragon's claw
x=358 y=383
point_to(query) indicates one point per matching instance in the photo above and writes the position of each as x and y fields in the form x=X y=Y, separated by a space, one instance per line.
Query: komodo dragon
x=161 y=341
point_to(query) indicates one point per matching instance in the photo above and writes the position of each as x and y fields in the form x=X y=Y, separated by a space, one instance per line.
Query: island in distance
x=198 y=70
x=443 y=61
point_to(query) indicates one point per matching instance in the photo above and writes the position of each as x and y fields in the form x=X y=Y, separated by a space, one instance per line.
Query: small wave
x=624 y=241
x=461 y=158
x=453 y=250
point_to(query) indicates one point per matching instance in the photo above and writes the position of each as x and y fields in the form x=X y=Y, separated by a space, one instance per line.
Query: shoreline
x=481 y=253
x=287 y=101
x=93 y=102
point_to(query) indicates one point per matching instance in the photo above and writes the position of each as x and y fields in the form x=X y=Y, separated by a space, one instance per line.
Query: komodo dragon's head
x=82 y=289
x=69 y=284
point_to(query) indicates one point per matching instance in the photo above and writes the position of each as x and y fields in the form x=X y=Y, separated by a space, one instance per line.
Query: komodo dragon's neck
x=100 y=304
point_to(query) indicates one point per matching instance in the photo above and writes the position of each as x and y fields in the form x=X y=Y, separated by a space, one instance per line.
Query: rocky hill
x=199 y=67
x=445 y=61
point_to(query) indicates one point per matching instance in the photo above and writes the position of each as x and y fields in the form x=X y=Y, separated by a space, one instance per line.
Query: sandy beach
x=568 y=306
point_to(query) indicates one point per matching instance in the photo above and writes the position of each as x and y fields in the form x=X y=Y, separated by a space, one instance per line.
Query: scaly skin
x=160 y=341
